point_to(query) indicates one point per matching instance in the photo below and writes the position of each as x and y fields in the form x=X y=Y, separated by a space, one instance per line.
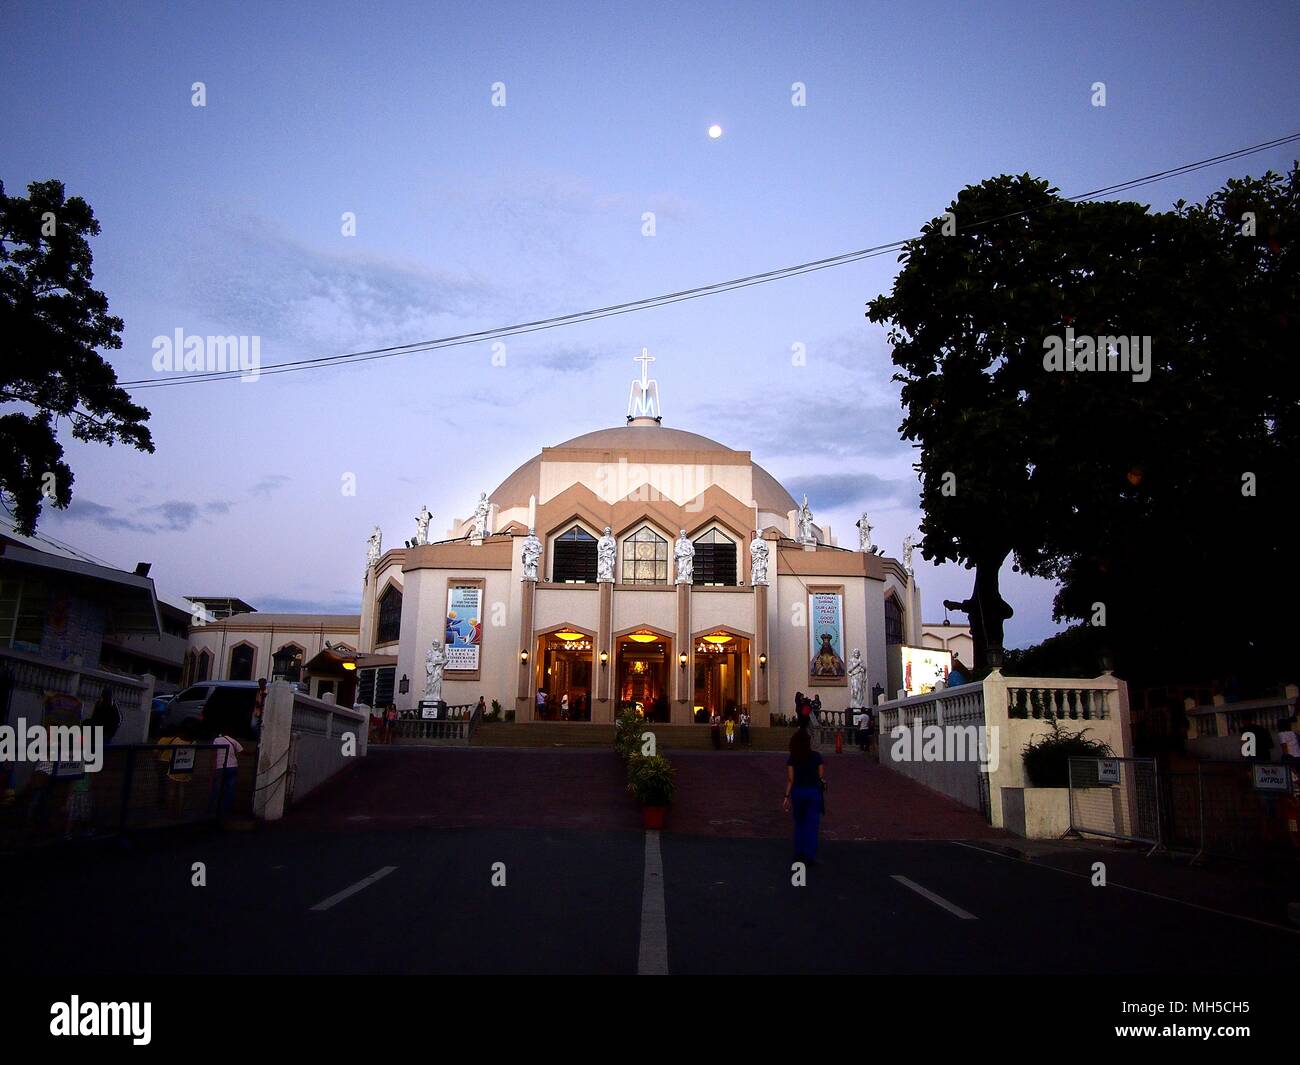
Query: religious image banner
x=464 y=627
x=826 y=637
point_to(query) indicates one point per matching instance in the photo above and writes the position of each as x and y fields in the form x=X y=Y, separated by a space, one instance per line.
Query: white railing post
x=273 y=753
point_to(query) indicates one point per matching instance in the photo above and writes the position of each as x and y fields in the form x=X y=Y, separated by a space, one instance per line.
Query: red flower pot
x=653 y=816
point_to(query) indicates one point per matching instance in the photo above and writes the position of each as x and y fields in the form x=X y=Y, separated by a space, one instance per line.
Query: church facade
x=638 y=565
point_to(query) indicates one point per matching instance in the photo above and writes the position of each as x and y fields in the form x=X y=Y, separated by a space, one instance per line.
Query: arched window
x=645 y=557
x=893 y=621
x=286 y=663
x=389 y=627
x=715 y=559
x=205 y=666
x=191 y=668
x=241 y=662
x=574 y=557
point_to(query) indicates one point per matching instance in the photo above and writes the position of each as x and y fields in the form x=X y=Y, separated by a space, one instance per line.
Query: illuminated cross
x=643 y=400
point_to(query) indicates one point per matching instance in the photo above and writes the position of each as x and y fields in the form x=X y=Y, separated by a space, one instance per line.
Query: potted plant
x=650 y=780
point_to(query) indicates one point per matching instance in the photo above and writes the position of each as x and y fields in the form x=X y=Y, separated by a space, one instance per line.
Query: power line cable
x=666 y=299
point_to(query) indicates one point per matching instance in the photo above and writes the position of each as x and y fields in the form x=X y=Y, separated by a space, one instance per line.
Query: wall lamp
x=604 y=658
x=762 y=661
x=523 y=657
x=681 y=658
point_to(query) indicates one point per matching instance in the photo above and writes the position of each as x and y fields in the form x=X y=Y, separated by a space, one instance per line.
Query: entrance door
x=565 y=659
x=642 y=674
x=721 y=674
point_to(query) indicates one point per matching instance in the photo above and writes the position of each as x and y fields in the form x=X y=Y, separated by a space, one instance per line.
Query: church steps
x=582 y=734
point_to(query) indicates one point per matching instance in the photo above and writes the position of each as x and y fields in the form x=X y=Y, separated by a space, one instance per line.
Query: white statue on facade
x=422 y=521
x=864 y=535
x=434 y=663
x=806 y=535
x=857 y=681
x=758 y=551
x=481 y=511
x=684 y=555
x=374 y=547
x=909 y=545
x=606 y=556
x=532 y=555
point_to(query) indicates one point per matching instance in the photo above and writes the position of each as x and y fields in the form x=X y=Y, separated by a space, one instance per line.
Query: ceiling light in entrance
x=718 y=637
x=570 y=636
x=643 y=637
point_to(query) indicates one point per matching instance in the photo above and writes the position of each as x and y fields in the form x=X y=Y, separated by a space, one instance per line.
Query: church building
x=640 y=564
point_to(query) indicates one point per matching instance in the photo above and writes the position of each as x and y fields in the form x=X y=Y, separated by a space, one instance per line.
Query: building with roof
x=637 y=565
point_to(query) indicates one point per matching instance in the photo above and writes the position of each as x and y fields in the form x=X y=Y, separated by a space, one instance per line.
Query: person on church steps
x=729 y=730
x=805 y=788
x=715 y=730
x=744 y=728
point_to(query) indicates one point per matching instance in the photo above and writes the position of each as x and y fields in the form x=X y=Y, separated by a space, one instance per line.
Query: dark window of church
x=893 y=621
x=205 y=666
x=286 y=663
x=645 y=558
x=366 y=687
x=390 y=615
x=715 y=559
x=575 y=557
x=241 y=662
x=384 y=685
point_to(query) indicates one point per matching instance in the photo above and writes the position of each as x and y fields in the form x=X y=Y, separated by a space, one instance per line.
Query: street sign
x=1107 y=770
x=1272 y=777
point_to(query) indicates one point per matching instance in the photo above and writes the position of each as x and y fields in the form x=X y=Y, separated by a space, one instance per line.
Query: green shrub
x=1047 y=759
x=650 y=780
x=627 y=733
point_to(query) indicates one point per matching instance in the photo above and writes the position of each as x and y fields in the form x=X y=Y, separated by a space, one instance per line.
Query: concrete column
x=681 y=711
x=760 y=646
x=273 y=753
x=525 y=707
x=604 y=642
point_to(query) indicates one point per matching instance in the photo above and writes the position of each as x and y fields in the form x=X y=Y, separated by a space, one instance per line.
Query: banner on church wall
x=826 y=637
x=464 y=626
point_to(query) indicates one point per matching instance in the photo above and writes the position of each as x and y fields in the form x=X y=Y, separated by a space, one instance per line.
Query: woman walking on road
x=805 y=784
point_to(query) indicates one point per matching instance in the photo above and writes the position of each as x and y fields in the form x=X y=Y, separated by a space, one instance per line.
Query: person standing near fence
x=106 y=715
x=259 y=706
x=226 y=775
x=805 y=785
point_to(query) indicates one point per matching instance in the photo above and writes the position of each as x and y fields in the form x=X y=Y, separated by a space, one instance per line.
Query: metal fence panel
x=1116 y=797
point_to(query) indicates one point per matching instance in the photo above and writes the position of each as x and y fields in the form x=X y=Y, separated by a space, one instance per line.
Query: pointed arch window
x=715 y=559
x=204 y=668
x=574 y=555
x=241 y=662
x=645 y=557
x=893 y=621
x=389 y=626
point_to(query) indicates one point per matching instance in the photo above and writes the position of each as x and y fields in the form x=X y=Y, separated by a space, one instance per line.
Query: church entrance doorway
x=642 y=674
x=564 y=659
x=721 y=675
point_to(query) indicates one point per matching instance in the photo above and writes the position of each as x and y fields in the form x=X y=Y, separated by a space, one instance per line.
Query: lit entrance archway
x=722 y=674
x=643 y=674
x=564 y=661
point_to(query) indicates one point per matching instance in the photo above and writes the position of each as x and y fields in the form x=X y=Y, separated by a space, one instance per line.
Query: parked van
x=224 y=705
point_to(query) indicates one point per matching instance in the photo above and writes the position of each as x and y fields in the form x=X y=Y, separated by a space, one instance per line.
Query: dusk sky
x=227 y=218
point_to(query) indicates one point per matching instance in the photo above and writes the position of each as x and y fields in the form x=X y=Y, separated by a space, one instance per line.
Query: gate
x=1116 y=797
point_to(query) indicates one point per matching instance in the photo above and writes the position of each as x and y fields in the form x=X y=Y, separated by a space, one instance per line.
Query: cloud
x=787 y=423
x=172 y=515
x=567 y=360
x=335 y=602
x=269 y=484
x=828 y=490
x=254 y=279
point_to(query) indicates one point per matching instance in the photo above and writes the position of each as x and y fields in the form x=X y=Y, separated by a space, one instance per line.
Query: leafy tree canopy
x=54 y=324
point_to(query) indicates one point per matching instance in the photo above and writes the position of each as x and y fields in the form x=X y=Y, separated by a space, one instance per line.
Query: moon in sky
x=715 y=131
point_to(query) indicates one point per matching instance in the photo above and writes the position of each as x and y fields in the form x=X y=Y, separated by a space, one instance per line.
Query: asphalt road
x=293 y=899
